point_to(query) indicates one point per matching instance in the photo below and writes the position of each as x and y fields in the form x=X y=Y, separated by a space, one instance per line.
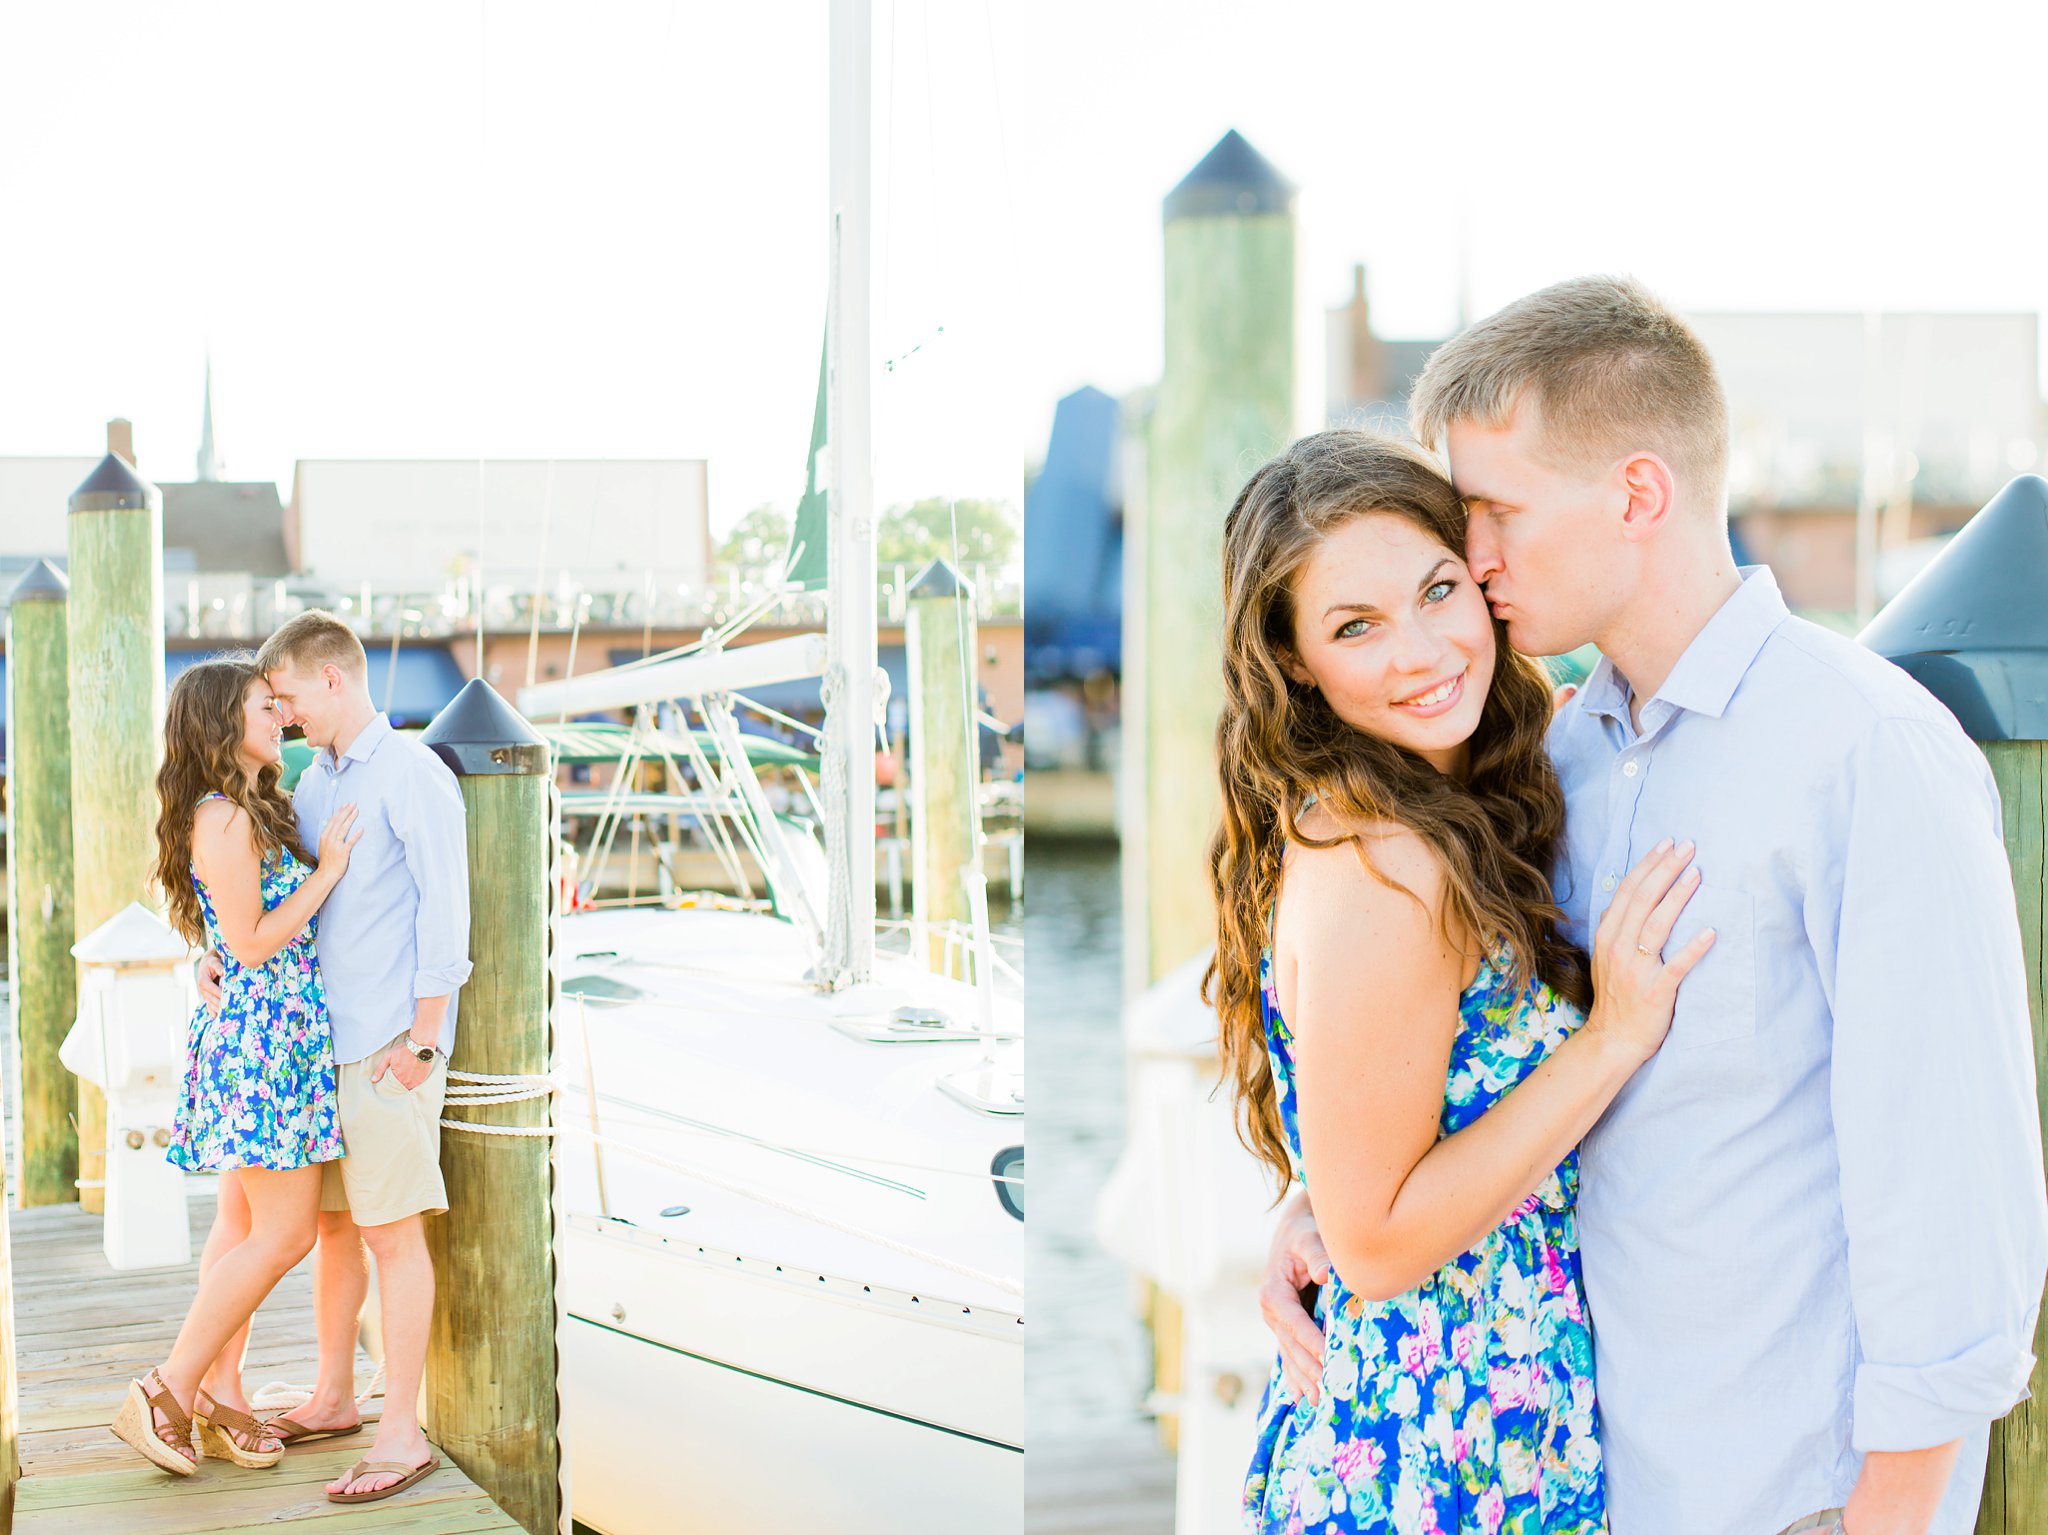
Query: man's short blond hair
x=1609 y=369
x=313 y=639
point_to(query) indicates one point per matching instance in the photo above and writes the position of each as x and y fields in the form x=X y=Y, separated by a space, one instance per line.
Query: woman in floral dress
x=1402 y=1022
x=259 y=1105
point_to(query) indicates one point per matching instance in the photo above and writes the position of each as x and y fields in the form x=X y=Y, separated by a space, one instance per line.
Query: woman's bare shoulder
x=220 y=826
x=1374 y=858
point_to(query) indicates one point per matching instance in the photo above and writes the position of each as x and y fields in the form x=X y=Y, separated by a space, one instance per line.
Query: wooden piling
x=1226 y=403
x=945 y=821
x=490 y=1382
x=40 y=930
x=115 y=640
x=10 y=1402
x=2016 y=1474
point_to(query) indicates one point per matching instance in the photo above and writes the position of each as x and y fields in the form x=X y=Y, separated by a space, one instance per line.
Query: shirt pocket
x=1717 y=1001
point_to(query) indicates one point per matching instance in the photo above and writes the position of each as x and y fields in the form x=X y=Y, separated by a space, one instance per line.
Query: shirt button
x=1628 y=769
x=1607 y=883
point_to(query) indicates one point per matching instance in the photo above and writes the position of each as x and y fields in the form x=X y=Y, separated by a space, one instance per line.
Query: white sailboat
x=791 y=1244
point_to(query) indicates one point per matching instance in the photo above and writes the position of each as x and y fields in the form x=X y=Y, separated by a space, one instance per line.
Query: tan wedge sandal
x=135 y=1426
x=226 y=1433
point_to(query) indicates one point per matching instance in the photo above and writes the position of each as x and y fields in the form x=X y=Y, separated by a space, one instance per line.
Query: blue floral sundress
x=259 y=1077
x=1465 y=1406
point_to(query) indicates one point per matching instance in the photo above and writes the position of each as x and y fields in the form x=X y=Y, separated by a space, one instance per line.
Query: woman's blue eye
x=1446 y=587
x=1352 y=630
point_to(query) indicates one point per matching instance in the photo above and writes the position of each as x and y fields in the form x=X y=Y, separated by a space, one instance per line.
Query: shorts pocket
x=1717 y=1001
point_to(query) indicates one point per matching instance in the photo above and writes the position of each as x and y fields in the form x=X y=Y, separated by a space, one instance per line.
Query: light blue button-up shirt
x=1813 y=1224
x=397 y=926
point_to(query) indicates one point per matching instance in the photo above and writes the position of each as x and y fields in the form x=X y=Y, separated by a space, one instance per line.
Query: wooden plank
x=85 y=1330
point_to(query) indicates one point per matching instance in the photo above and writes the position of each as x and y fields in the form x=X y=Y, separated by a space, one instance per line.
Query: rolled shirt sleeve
x=1932 y=1091
x=432 y=827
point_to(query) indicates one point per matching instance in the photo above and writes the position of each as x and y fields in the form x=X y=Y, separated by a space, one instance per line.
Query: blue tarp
x=1074 y=543
x=424 y=680
x=411 y=687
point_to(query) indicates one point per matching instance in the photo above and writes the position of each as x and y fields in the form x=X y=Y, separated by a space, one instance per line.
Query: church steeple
x=209 y=456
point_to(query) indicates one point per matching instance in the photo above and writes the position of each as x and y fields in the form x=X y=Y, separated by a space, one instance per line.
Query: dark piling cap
x=1972 y=628
x=939 y=579
x=1233 y=178
x=480 y=733
x=114 y=486
x=42 y=582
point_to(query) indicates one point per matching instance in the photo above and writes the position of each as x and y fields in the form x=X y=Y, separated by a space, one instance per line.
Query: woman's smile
x=1440 y=698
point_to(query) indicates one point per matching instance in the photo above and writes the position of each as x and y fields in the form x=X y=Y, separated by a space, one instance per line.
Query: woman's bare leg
x=223 y=1378
x=283 y=1210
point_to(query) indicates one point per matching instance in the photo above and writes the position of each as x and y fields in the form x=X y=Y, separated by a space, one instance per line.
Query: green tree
x=915 y=534
x=759 y=538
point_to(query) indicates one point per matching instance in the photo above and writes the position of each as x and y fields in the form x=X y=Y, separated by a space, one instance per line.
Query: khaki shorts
x=391 y=1144
x=1818 y=1524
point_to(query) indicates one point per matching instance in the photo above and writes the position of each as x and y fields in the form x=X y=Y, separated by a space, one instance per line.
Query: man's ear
x=330 y=675
x=1652 y=493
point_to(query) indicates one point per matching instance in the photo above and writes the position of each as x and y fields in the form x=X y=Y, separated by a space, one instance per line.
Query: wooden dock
x=82 y=1330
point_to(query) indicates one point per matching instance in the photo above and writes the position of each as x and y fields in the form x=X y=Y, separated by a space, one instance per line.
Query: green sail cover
x=297 y=757
x=597 y=741
x=807 y=538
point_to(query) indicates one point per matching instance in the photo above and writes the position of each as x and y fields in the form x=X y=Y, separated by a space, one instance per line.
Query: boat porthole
x=1008 y=1165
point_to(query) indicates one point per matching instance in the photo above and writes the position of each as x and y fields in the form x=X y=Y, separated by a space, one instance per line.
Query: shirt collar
x=1713 y=665
x=367 y=740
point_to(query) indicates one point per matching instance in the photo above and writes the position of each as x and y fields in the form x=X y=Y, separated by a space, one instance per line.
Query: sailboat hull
x=706 y=1391
x=787 y=1275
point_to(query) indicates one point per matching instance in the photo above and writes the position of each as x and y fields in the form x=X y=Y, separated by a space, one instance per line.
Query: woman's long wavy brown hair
x=1279 y=745
x=203 y=730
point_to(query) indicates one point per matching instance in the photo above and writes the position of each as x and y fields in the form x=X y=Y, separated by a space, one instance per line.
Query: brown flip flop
x=385 y=1468
x=291 y=1431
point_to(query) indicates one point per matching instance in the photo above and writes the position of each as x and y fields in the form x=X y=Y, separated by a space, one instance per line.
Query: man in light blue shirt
x=394 y=947
x=1813 y=1225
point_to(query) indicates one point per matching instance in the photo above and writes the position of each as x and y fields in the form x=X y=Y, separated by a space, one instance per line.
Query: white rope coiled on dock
x=517 y=1089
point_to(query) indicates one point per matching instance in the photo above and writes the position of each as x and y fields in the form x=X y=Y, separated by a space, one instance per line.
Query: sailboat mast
x=850 y=622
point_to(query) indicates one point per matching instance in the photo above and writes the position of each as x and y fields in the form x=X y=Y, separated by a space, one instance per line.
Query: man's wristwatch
x=422 y=1053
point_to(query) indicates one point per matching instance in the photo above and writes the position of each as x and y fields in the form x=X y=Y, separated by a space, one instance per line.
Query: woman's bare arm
x=1370 y=988
x=224 y=853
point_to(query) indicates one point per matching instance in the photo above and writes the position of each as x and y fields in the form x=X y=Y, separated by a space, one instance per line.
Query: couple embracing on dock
x=314 y=1081
x=1711 y=977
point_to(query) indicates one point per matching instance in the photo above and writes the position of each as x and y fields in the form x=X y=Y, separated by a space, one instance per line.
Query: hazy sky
x=598 y=230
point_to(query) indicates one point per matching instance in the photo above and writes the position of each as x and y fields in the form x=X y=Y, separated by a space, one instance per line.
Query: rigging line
x=995 y=96
x=540 y=576
x=931 y=164
x=970 y=704
x=778 y=716
x=483 y=96
x=888 y=305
